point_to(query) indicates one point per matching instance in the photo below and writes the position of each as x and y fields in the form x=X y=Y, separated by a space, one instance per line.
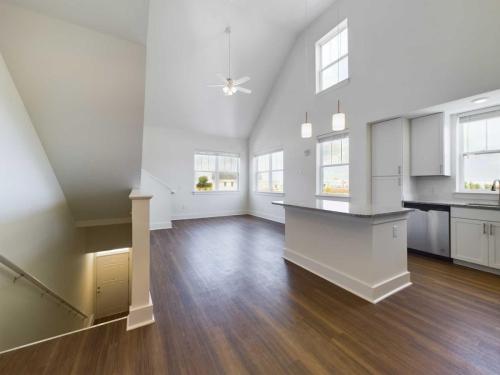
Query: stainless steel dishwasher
x=429 y=229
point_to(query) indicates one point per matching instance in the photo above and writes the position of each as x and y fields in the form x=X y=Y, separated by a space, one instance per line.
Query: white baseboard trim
x=160 y=225
x=100 y=222
x=62 y=335
x=266 y=216
x=91 y=320
x=478 y=267
x=371 y=293
x=208 y=215
x=140 y=316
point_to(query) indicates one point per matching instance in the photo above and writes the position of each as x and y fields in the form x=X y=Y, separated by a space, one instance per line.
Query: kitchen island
x=360 y=249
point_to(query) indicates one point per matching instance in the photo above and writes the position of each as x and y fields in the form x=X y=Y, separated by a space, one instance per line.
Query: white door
x=494 y=231
x=387 y=148
x=112 y=295
x=469 y=241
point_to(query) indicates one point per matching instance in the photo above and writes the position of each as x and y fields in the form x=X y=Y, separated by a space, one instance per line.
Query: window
x=216 y=171
x=332 y=58
x=479 y=151
x=269 y=172
x=333 y=157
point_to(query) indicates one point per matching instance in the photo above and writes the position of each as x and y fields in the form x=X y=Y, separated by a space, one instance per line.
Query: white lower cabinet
x=476 y=241
x=470 y=241
x=494 y=243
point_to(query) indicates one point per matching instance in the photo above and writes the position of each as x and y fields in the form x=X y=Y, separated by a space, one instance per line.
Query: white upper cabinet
x=387 y=191
x=391 y=163
x=387 y=148
x=430 y=146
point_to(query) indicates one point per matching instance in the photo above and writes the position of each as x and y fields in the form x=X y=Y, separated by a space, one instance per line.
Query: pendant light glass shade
x=338 y=120
x=306 y=129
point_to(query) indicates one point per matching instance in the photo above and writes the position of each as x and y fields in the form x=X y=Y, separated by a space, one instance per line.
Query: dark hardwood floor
x=227 y=303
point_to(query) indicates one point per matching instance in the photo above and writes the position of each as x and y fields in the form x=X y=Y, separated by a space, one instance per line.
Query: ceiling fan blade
x=240 y=81
x=221 y=77
x=216 y=85
x=243 y=90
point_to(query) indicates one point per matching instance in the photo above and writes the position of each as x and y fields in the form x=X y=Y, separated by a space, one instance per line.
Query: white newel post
x=141 y=305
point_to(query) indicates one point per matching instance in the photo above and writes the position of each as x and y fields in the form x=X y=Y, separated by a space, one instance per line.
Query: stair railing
x=46 y=290
x=159 y=180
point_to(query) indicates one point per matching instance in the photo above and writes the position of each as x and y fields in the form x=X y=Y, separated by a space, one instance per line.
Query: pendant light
x=338 y=120
x=306 y=129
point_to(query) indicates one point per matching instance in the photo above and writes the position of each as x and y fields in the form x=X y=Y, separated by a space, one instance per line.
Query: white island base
x=364 y=252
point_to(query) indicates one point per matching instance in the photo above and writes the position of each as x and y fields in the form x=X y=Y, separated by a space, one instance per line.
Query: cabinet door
x=469 y=240
x=427 y=145
x=387 y=148
x=494 y=231
x=387 y=192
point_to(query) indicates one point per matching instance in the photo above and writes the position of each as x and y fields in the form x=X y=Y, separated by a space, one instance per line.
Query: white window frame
x=485 y=112
x=216 y=172
x=319 y=157
x=269 y=173
x=320 y=43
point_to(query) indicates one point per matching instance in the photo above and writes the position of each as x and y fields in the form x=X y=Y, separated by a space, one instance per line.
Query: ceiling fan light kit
x=231 y=86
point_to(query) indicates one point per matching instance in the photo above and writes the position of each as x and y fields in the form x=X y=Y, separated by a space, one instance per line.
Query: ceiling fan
x=231 y=86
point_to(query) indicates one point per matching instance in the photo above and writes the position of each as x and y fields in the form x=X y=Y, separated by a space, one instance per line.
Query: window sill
x=270 y=193
x=215 y=192
x=338 y=85
x=334 y=197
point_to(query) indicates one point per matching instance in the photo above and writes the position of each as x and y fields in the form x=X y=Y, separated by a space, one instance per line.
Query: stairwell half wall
x=37 y=233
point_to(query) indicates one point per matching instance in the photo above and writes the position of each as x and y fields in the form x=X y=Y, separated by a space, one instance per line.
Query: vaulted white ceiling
x=123 y=18
x=85 y=90
x=187 y=47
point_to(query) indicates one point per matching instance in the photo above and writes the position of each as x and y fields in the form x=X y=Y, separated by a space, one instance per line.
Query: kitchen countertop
x=343 y=208
x=481 y=206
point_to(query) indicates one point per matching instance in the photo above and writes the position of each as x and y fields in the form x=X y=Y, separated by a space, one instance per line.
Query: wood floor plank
x=227 y=303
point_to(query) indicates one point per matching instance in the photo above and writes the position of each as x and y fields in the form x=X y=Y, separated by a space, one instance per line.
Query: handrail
x=159 y=180
x=38 y=283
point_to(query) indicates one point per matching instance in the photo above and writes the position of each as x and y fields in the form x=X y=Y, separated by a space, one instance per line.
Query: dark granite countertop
x=482 y=206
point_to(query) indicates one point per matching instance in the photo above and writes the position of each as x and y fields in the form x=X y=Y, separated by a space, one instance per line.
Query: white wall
x=37 y=232
x=84 y=91
x=404 y=55
x=168 y=154
x=160 y=207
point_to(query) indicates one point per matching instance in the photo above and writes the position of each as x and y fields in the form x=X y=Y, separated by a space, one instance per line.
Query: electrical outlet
x=395 y=231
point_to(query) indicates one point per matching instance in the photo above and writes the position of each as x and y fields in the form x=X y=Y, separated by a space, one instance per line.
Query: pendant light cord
x=229 y=57
x=306 y=62
x=228 y=30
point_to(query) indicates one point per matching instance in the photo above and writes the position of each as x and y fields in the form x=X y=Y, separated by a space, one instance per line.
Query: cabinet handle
x=485 y=231
x=491 y=229
x=399 y=181
x=399 y=169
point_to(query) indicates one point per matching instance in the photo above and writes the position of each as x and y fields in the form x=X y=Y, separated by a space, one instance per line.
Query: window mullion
x=486 y=134
x=270 y=172
x=333 y=63
x=216 y=179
